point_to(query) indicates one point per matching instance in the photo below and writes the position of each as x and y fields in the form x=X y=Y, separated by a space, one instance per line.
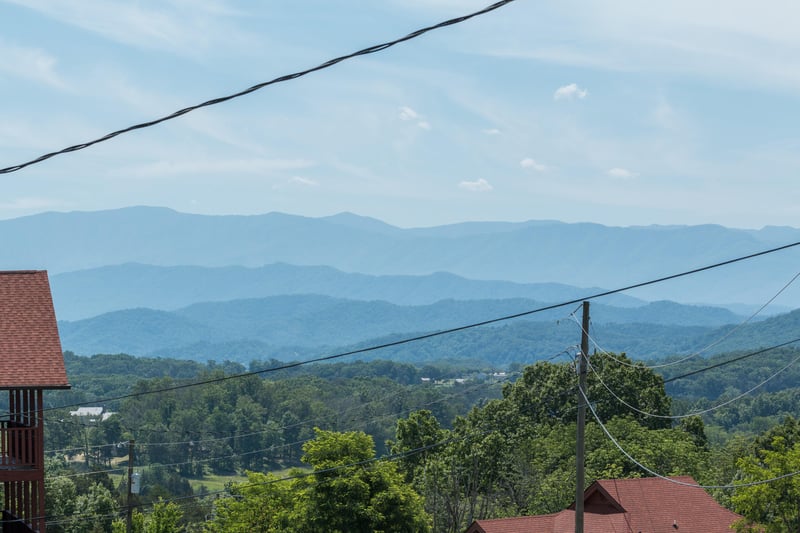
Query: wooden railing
x=17 y=445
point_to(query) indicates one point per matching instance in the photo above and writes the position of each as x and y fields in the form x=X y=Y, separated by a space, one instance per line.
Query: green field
x=214 y=483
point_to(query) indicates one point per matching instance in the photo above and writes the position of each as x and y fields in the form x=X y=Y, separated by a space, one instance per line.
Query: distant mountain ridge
x=312 y=321
x=87 y=293
x=582 y=255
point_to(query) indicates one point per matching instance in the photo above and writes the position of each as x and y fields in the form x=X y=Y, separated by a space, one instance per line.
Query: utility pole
x=579 y=439
x=129 y=516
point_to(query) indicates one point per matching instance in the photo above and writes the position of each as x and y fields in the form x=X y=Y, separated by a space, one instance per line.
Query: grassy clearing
x=214 y=483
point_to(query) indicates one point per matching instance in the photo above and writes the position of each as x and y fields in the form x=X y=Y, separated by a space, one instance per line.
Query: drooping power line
x=652 y=472
x=729 y=361
x=699 y=352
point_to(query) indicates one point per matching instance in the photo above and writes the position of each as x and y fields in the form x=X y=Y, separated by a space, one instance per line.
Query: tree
x=95 y=510
x=353 y=493
x=165 y=518
x=261 y=504
x=516 y=455
x=421 y=429
x=60 y=501
x=347 y=492
x=546 y=393
x=774 y=504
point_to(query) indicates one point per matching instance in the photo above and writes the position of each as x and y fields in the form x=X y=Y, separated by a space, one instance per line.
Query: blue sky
x=621 y=113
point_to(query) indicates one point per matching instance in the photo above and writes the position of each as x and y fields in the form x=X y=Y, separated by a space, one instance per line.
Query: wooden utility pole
x=129 y=516
x=579 y=439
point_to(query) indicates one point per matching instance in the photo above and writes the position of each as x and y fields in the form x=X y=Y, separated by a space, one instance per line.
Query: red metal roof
x=30 y=349
x=646 y=505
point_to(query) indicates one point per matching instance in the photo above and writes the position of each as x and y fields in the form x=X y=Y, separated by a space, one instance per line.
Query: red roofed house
x=643 y=505
x=30 y=362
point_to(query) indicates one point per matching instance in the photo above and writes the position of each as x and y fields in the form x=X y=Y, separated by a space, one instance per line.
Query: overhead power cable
x=729 y=361
x=52 y=520
x=364 y=421
x=699 y=352
x=693 y=413
x=675 y=481
x=439 y=333
x=366 y=51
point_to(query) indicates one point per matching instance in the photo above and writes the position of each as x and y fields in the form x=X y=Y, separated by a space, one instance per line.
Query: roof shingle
x=30 y=349
x=646 y=505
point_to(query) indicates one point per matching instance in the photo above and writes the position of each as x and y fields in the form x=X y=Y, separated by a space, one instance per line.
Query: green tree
x=165 y=518
x=347 y=492
x=353 y=493
x=263 y=504
x=137 y=523
x=60 y=501
x=547 y=392
x=94 y=511
x=773 y=504
x=420 y=430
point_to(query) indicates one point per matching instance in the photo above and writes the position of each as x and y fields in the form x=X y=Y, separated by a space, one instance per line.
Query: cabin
x=31 y=362
x=641 y=505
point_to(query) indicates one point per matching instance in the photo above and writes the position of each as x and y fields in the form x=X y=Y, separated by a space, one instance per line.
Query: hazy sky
x=617 y=112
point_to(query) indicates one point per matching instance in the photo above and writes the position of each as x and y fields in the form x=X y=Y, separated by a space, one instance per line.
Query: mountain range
x=152 y=281
x=303 y=326
x=91 y=292
x=580 y=255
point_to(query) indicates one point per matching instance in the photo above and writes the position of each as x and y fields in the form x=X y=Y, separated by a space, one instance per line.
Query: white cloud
x=406 y=113
x=621 y=173
x=569 y=92
x=306 y=182
x=532 y=164
x=492 y=131
x=480 y=185
x=29 y=63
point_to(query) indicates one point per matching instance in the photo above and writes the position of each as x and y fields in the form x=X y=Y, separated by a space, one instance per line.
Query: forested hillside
x=467 y=443
x=290 y=327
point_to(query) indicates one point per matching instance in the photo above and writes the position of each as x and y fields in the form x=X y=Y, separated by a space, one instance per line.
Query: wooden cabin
x=30 y=362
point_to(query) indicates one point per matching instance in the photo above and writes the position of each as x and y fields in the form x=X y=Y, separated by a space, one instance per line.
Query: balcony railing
x=17 y=445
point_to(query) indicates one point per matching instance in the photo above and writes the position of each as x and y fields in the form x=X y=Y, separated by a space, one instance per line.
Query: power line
x=352 y=421
x=699 y=352
x=366 y=51
x=389 y=457
x=694 y=413
x=675 y=481
x=723 y=363
x=440 y=333
x=384 y=458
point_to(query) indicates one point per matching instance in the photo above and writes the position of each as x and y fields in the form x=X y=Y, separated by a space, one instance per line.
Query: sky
x=619 y=112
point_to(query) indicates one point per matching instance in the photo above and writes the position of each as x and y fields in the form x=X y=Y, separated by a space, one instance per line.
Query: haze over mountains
x=582 y=255
x=281 y=324
x=90 y=292
x=151 y=281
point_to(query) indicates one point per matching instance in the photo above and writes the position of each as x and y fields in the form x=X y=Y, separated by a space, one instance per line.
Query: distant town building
x=92 y=414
